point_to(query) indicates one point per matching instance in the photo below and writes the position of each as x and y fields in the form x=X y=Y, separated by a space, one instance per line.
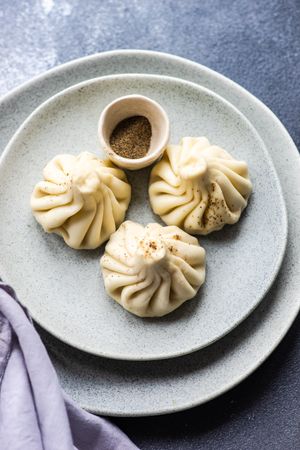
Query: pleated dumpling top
x=82 y=198
x=199 y=187
x=152 y=270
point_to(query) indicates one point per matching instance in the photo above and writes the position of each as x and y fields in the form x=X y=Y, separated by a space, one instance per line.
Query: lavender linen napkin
x=34 y=412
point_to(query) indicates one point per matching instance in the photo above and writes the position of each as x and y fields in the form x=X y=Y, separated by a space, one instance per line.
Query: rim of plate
x=188 y=64
x=35 y=315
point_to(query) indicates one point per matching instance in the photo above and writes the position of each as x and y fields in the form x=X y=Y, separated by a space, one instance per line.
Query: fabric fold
x=35 y=414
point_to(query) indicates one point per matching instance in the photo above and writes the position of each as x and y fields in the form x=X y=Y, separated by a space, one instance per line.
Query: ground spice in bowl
x=131 y=137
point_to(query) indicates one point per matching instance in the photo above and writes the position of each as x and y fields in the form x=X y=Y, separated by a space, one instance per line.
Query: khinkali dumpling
x=198 y=186
x=82 y=198
x=152 y=270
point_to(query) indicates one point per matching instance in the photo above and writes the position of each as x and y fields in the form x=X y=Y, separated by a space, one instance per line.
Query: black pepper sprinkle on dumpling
x=199 y=187
x=161 y=268
x=81 y=198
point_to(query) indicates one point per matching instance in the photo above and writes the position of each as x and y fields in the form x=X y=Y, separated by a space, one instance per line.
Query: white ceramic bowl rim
x=151 y=156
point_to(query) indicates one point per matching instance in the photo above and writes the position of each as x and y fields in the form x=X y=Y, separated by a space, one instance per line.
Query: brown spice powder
x=131 y=137
x=153 y=245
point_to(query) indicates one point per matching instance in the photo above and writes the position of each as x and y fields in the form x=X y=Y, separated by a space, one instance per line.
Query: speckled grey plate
x=124 y=388
x=63 y=289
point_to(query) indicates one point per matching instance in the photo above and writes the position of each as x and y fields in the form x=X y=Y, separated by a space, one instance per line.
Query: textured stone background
x=257 y=44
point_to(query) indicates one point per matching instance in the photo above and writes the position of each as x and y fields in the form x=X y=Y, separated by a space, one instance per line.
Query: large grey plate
x=63 y=289
x=143 y=388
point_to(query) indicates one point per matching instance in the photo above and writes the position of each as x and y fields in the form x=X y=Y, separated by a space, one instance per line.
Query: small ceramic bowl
x=128 y=106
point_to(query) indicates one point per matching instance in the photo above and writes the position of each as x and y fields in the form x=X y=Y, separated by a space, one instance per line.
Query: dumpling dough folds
x=152 y=270
x=82 y=198
x=199 y=187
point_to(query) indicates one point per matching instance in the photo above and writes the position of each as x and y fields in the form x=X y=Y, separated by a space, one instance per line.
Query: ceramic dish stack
x=109 y=361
